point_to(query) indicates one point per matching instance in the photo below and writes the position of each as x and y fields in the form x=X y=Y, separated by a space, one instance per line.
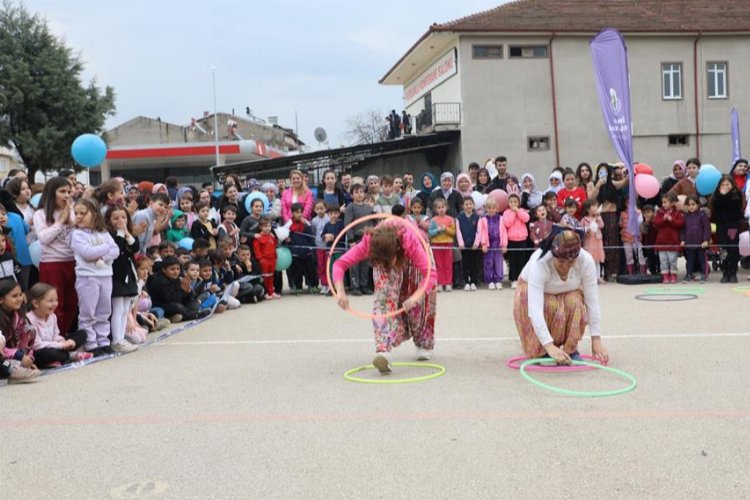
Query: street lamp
x=216 y=117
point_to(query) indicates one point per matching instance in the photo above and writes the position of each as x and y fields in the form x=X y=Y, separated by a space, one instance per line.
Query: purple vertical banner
x=610 y=57
x=736 y=153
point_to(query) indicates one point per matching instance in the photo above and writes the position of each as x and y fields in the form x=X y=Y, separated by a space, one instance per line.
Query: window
x=671 y=80
x=487 y=51
x=538 y=143
x=717 y=80
x=677 y=140
x=527 y=52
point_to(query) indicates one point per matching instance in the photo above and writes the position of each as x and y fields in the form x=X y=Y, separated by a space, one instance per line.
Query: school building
x=518 y=80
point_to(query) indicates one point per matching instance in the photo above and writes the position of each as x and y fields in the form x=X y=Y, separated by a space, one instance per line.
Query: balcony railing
x=442 y=115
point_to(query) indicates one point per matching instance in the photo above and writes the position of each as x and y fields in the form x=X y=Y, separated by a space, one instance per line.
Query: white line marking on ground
x=464 y=339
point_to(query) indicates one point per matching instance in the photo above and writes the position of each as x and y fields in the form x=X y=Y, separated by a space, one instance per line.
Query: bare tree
x=367 y=127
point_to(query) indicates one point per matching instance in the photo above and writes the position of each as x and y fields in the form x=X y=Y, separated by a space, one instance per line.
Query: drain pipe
x=554 y=99
x=697 y=96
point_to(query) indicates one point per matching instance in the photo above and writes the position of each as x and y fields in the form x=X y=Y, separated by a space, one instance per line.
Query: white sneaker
x=124 y=347
x=467 y=287
x=423 y=354
x=491 y=286
x=514 y=285
x=473 y=287
x=439 y=288
x=380 y=361
x=324 y=290
x=448 y=288
x=499 y=286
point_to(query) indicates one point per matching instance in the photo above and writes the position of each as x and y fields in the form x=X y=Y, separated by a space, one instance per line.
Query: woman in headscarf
x=428 y=183
x=556 y=298
x=463 y=183
x=678 y=173
x=531 y=197
x=555 y=181
x=452 y=197
x=686 y=185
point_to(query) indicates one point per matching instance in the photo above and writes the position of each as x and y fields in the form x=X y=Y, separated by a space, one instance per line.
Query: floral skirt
x=565 y=315
x=392 y=288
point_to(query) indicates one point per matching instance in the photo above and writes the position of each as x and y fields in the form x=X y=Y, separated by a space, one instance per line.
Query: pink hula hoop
x=514 y=363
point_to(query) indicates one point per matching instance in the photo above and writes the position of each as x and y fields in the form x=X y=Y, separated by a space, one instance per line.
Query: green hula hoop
x=677 y=290
x=741 y=289
x=581 y=394
x=349 y=375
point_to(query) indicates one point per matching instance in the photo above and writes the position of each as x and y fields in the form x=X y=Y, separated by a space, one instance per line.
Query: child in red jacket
x=264 y=248
x=668 y=222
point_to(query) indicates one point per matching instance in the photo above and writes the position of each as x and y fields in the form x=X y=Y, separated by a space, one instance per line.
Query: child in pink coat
x=515 y=219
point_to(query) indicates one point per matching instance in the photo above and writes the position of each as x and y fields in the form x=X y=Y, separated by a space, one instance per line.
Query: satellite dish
x=320 y=134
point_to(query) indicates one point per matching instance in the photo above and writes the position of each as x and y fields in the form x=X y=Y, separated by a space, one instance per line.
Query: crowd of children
x=119 y=261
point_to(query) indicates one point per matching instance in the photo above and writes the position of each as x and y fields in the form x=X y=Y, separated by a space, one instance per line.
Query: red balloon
x=642 y=168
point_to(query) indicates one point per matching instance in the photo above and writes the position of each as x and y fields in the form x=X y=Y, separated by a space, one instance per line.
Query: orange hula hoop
x=422 y=289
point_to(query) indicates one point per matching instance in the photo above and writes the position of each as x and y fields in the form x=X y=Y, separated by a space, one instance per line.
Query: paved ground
x=252 y=404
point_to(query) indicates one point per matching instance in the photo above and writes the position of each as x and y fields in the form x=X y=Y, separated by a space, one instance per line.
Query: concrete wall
x=504 y=101
x=447 y=91
x=142 y=130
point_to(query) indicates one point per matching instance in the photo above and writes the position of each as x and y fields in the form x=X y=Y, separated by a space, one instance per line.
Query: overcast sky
x=321 y=58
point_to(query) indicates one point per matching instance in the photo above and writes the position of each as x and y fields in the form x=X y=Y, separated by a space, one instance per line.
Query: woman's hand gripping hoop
x=422 y=289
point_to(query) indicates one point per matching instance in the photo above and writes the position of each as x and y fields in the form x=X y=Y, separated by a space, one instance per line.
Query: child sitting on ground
x=173 y=294
x=51 y=349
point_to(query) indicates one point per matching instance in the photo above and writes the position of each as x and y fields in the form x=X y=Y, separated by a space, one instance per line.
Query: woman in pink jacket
x=400 y=264
x=297 y=193
x=515 y=219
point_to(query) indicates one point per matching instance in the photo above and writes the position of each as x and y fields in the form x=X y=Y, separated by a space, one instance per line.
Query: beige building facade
x=530 y=94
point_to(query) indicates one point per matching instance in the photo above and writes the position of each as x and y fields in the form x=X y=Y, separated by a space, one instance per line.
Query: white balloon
x=479 y=199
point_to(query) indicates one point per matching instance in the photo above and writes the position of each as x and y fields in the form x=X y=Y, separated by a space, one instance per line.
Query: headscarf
x=270 y=185
x=555 y=175
x=159 y=188
x=535 y=196
x=443 y=176
x=252 y=184
x=432 y=178
x=468 y=192
x=682 y=166
x=564 y=248
x=371 y=179
x=556 y=244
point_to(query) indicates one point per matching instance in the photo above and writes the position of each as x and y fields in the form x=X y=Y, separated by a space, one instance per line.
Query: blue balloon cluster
x=707 y=180
x=88 y=150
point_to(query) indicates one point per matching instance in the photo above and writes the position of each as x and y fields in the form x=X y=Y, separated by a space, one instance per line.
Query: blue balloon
x=256 y=195
x=35 y=200
x=708 y=166
x=186 y=243
x=88 y=150
x=707 y=181
x=35 y=250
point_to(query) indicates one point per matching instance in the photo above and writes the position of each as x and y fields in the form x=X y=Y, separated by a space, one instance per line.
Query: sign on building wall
x=440 y=71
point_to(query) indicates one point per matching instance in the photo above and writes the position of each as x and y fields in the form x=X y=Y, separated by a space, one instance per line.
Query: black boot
x=724 y=277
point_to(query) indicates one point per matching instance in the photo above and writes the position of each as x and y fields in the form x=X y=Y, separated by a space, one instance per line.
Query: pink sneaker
x=81 y=356
x=665 y=278
x=276 y=296
x=673 y=278
x=270 y=297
